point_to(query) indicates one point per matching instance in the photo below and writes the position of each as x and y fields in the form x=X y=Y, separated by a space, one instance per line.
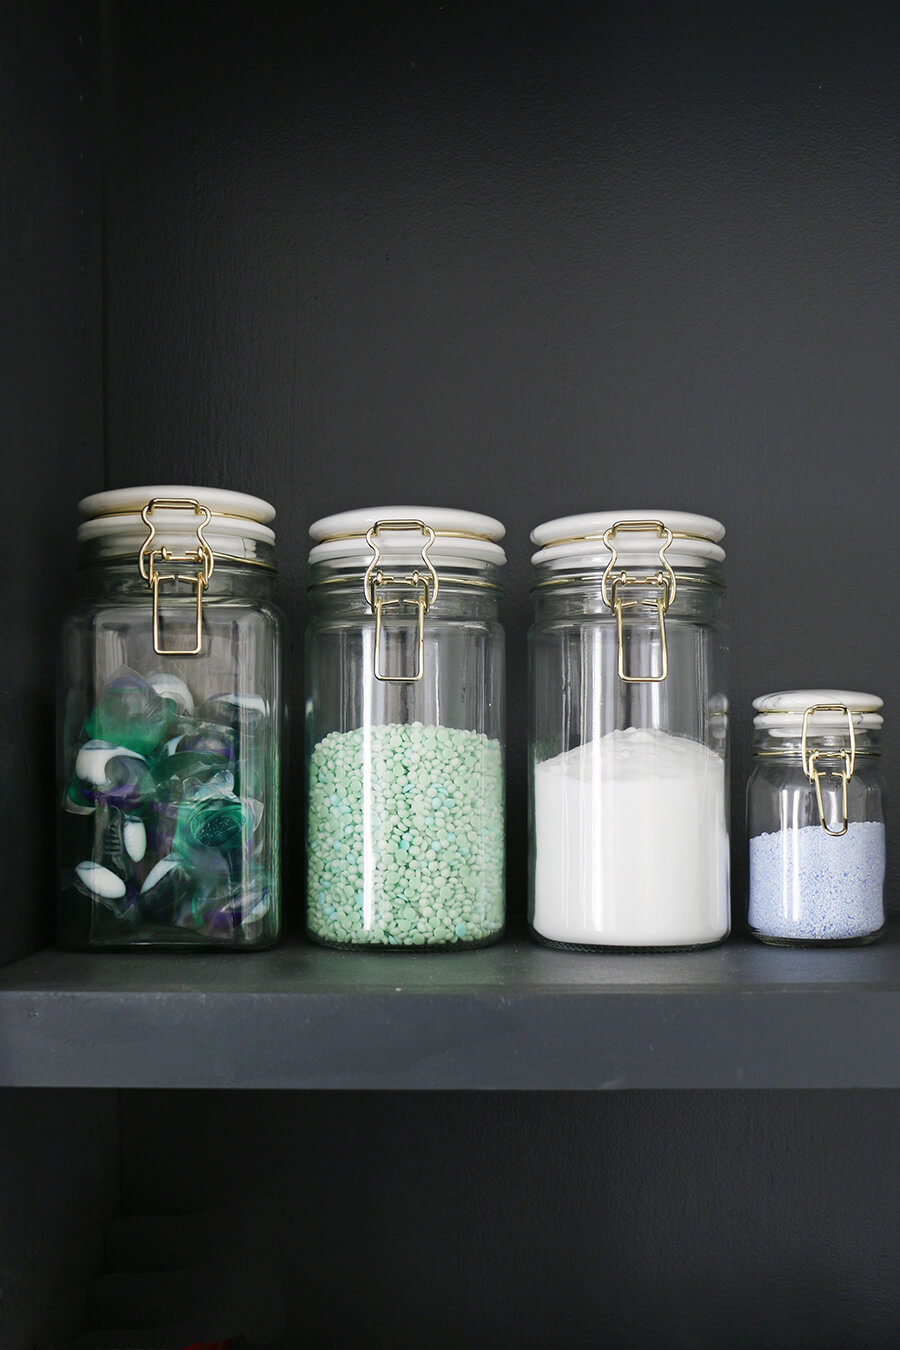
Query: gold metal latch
x=425 y=584
x=663 y=580
x=150 y=557
x=815 y=774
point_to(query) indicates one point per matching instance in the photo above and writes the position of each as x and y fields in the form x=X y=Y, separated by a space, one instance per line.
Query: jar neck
x=469 y=591
x=115 y=549
x=560 y=593
x=120 y=578
x=774 y=743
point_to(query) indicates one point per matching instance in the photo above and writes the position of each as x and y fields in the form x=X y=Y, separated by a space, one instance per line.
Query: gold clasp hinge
x=815 y=774
x=202 y=555
x=426 y=585
x=664 y=580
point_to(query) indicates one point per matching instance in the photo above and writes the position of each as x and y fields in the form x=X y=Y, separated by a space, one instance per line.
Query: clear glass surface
x=628 y=781
x=405 y=831
x=170 y=765
x=810 y=885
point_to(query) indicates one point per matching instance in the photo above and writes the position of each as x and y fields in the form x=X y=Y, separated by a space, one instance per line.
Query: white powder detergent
x=631 y=843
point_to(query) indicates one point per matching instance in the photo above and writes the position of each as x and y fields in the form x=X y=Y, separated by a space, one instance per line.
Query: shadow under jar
x=405 y=695
x=170 y=725
x=815 y=816
x=629 y=733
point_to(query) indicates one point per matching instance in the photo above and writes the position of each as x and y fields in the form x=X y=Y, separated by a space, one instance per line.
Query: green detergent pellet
x=405 y=837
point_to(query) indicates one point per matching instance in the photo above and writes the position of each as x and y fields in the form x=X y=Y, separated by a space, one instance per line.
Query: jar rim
x=794 y=751
x=551 y=578
x=234 y=550
x=340 y=571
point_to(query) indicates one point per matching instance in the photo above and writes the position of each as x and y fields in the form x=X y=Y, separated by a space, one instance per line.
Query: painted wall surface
x=529 y=260
x=59 y=1151
x=651 y=1219
x=51 y=397
x=59 y=1187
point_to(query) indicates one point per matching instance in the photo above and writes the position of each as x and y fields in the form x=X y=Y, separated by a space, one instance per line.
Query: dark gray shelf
x=511 y=1016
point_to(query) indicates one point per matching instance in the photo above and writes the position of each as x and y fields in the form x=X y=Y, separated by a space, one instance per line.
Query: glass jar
x=405 y=686
x=815 y=816
x=171 y=724
x=629 y=733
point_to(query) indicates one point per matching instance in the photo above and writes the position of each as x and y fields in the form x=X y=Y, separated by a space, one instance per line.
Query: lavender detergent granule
x=809 y=885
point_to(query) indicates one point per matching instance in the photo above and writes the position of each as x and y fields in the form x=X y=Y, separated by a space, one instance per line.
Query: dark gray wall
x=527 y=259
x=682 y=1221
x=59 y=1187
x=530 y=260
x=51 y=400
x=59 y=1151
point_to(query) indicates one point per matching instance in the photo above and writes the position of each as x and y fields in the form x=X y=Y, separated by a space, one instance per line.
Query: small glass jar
x=405 y=689
x=171 y=725
x=815 y=815
x=629 y=733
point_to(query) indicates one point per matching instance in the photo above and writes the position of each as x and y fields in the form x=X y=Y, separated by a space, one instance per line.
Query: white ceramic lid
x=236 y=515
x=570 y=537
x=459 y=534
x=785 y=710
x=219 y=500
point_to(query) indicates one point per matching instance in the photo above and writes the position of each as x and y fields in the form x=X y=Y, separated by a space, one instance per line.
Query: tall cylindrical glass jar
x=405 y=684
x=629 y=733
x=171 y=725
x=815 y=816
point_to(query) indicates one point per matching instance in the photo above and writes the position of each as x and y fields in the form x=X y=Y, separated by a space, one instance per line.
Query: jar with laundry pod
x=170 y=725
x=628 y=736
x=405 y=722
x=816 y=819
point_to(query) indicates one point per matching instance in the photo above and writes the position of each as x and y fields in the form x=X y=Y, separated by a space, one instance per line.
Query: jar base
x=201 y=946
x=170 y=949
x=607 y=949
x=461 y=945
x=863 y=941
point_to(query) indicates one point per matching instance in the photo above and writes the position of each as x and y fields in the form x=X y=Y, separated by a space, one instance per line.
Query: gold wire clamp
x=202 y=554
x=427 y=586
x=664 y=580
x=815 y=775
